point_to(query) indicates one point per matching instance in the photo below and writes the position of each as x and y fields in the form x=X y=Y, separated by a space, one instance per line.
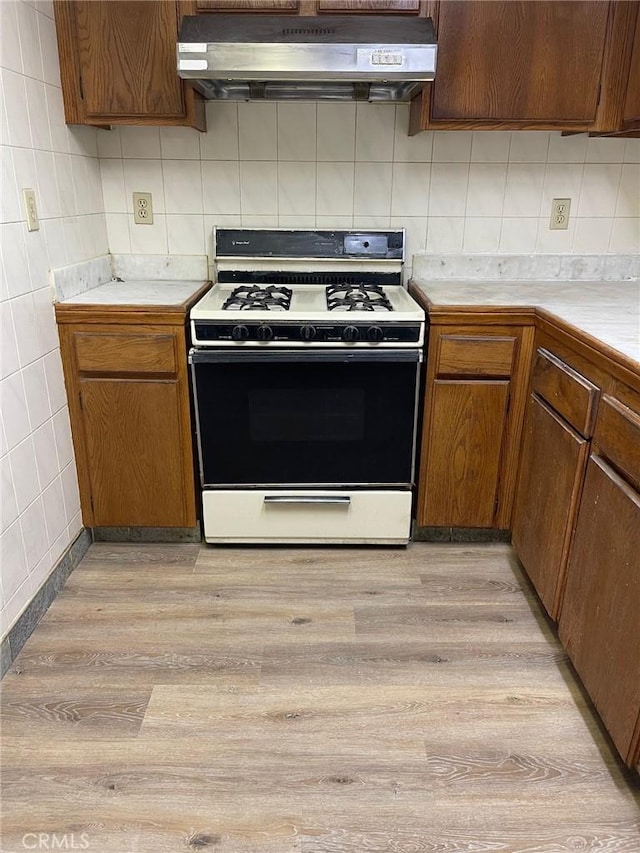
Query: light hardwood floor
x=245 y=700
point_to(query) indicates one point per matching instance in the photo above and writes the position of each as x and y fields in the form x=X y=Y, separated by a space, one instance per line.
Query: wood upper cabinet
x=128 y=391
x=314 y=7
x=631 y=117
x=118 y=63
x=599 y=618
x=552 y=64
x=474 y=396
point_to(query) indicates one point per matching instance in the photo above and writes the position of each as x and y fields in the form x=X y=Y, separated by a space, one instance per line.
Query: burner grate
x=357 y=297
x=254 y=298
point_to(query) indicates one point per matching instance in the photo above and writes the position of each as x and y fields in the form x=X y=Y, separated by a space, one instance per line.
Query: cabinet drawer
x=124 y=353
x=566 y=391
x=617 y=435
x=471 y=355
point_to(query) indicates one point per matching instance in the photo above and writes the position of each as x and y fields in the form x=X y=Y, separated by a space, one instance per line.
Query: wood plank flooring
x=339 y=700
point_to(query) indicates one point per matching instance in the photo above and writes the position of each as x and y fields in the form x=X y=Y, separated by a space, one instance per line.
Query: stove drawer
x=307 y=516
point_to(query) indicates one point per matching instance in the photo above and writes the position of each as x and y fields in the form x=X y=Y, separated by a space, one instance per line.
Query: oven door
x=306 y=417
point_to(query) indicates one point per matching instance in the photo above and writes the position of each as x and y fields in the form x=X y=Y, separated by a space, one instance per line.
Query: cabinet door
x=368 y=7
x=631 y=117
x=519 y=61
x=552 y=468
x=291 y=7
x=134 y=452
x=464 y=452
x=599 y=618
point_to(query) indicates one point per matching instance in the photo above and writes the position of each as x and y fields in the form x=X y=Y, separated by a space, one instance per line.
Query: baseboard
x=460 y=534
x=147 y=534
x=20 y=632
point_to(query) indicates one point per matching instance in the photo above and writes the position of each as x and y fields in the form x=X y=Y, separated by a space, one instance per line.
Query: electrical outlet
x=560 y=208
x=142 y=209
x=31 y=209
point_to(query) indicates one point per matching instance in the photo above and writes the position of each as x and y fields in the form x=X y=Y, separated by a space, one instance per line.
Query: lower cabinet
x=129 y=404
x=599 y=618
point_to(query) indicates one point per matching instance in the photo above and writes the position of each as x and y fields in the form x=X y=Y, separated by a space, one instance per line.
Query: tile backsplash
x=40 y=507
x=347 y=165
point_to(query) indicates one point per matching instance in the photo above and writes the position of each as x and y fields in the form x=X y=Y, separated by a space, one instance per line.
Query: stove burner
x=254 y=298
x=357 y=297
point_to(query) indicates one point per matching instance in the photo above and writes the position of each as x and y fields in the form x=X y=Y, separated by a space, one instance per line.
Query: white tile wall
x=40 y=503
x=347 y=165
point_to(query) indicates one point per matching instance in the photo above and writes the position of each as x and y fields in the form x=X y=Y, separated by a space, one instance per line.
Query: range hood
x=283 y=57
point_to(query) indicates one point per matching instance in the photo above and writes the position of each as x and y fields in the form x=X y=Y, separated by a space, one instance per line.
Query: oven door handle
x=344 y=500
x=230 y=355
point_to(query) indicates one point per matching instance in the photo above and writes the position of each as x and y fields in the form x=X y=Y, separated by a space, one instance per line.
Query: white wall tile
x=523 y=190
x=371 y=221
x=8 y=501
x=185 y=234
x=410 y=149
x=62 y=432
x=410 y=189
x=336 y=132
x=24 y=473
x=55 y=380
x=54 y=513
x=518 y=235
x=334 y=195
x=109 y=143
x=9 y=200
x=9 y=39
x=65 y=183
x=628 y=202
x=35 y=386
x=257 y=131
x=9 y=360
x=334 y=221
x=149 y=239
x=146 y=176
x=264 y=220
x=372 y=191
x=24 y=320
x=452 y=146
x=34 y=534
x=485 y=195
x=481 y=234
x=258 y=188
x=529 y=146
x=221 y=186
x=375 y=129
x=490 y=146
x=448 y=189
x=140 y=142
x=15 y=98
x=599 y=190
x=415 y=233
x=554 y=242
x=55 y=114
x=591 y=235
x=113 y=187
x=296 y=188
x=567 y=149
x=632 y=151
x=220 y=142
x=179 y=143
x=48 y=198
x=296 y=131
x=38 y=117
x=12 y=557
x=14 y=259
x=49 y=50
x=601 y=149
x=182 y=186
x=561 y=181
x=119 y=240
x=29 y=41
x=296 y=221
x=46 y=454
x=625 y=236
x=69 y=478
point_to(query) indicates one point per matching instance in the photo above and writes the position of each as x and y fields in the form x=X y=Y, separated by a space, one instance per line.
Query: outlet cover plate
x=31 y=210
x=142 y=209
x=560 y=209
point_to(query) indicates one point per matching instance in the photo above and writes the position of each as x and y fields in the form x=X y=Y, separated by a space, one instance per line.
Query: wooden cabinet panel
x=233 y=6
x=368 y=7
x=569 y=393
x=463 y=455
x=552 y=467
x=631 y=116
x=475 y=355
x=599 y=618
x=134 y=459
x=617 y=436
x=517 y=60
x=125 y=353
x=127 y=59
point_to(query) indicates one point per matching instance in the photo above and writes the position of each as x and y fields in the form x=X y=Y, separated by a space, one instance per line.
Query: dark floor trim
x=460 y=534
x=20 y=632
x=147 y=534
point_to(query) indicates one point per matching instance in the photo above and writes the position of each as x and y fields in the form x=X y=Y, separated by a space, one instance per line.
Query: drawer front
x=125 y=353
x=285 y=516
x=566 y=391
x=617 y=435
x=471 y=355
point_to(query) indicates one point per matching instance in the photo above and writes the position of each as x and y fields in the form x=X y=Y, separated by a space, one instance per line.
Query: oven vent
x=265 y=277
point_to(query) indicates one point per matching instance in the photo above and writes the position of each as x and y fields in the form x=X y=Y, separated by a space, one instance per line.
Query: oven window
x=305 y=423
x=306 y=414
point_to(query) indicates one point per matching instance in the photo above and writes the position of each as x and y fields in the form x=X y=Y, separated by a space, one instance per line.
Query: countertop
x=607 y=311
x=138 y=292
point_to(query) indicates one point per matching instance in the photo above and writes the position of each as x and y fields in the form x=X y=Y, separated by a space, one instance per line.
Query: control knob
x=308 y=333
x=264 y=333
x=239 y=333
x=350 y=333
x=375 y=334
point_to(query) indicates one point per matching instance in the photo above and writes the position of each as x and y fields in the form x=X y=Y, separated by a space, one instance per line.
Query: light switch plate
x=31 y=210
x=142 y=209
x=560 y=208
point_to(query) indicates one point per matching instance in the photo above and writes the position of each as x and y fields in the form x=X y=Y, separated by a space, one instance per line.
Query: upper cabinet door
x=291 y=7
x=127 y=58
x=368 y=7
x=519 y=60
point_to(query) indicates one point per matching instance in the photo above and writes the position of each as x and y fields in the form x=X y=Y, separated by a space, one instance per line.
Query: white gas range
x=305 y=370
